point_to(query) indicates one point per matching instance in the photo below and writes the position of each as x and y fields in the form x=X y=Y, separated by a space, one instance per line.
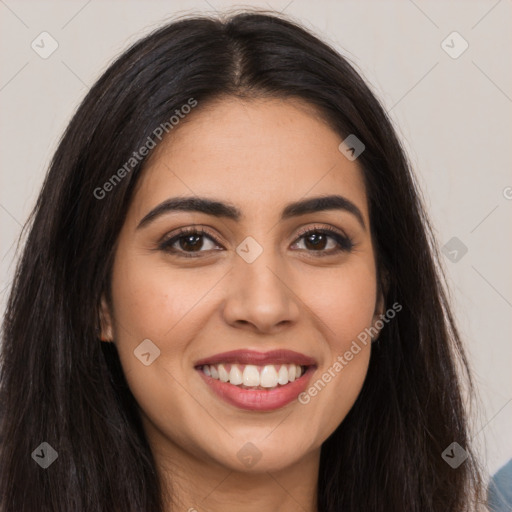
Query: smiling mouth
x=254 y=377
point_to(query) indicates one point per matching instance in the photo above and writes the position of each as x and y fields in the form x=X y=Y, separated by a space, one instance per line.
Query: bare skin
x=259 y=156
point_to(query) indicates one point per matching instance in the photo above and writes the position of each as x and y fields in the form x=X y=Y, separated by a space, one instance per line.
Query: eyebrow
x=230 y=211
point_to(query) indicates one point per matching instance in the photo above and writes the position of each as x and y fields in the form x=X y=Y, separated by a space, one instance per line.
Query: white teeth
x=251 y=376
x=235 y=375
x=268 y=377
x=282 y=376
x=291 y=372
x=223 y=374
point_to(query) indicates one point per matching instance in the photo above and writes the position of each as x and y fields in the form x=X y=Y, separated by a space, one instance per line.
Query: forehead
x=258 y=153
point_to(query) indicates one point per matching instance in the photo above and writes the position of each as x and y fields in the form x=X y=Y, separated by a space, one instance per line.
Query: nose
x=260 y=295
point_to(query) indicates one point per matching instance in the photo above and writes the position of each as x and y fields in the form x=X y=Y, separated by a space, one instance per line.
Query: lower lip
x=255 y=399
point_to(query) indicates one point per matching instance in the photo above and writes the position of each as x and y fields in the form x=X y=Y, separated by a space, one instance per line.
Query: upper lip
x=259 y=358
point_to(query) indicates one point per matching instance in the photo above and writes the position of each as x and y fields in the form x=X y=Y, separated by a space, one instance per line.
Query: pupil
x=191 y=240
x=316 y=237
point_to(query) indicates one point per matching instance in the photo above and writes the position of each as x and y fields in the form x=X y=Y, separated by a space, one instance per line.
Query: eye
x=316 y=239
x=187 y=242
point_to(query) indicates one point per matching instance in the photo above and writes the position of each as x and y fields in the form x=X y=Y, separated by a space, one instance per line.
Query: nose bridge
x=258 y=293
x=260 y=275
x=257 y=269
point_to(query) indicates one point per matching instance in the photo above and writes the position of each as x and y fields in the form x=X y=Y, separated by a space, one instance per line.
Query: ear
x=106 y=330
x=380 y=304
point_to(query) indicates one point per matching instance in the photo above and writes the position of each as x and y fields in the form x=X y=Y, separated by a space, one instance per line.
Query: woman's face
x=253 y=297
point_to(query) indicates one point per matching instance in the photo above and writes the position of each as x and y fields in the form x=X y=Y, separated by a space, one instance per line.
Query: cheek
x=345 y=307
x=170 y=308
x=151 y=301
x=344 y=302
x=145 y=307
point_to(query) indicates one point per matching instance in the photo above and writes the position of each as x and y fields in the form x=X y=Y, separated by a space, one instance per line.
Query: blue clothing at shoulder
x=499 y=492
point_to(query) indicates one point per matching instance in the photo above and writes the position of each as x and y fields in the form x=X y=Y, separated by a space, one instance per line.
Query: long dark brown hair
x=61 y=385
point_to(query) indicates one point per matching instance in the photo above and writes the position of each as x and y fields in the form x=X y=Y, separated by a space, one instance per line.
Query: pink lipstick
x=259 y=381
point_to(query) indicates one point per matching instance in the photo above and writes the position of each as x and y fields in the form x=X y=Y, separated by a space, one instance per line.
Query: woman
x=228 y=298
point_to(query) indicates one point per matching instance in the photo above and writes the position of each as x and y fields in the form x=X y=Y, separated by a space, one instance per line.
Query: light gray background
x=454 y=116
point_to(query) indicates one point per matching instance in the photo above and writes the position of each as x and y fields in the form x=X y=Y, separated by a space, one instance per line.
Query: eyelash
x=345 y=244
